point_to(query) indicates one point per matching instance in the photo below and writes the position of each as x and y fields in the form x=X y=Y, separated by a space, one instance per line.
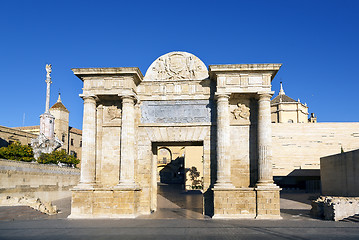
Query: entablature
x=243 y=78
x=109 y=81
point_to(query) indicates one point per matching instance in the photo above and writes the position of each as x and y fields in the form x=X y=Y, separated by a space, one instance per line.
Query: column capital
x=88 y=97
x=263 y=96
x=129 y=97
x=219 y=96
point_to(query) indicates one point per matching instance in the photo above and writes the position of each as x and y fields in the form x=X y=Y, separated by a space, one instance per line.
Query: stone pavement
x=174 y=220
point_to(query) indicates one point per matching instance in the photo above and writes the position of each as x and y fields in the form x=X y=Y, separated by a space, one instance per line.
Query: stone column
x=99 y=135
x=223 y=143
x=88 y=159
x=127 y=156
x=48 y=82
x=265 y=171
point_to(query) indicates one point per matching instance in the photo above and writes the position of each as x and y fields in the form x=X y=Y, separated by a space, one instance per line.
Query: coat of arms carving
x=177 y=66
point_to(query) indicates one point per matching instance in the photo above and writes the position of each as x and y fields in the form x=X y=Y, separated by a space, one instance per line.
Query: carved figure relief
x=177 y=66
x=241 y=112
x=114 y=113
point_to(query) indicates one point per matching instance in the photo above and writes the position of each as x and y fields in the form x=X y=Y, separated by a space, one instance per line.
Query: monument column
x=88 y=160
x=48 y=82
x=265 y=171
x=127 y=156
x=223 y=143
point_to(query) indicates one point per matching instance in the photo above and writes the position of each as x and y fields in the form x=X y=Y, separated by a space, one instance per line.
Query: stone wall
x=335 y=208
x=297 y=147
x=48 y=182
x=340 y=174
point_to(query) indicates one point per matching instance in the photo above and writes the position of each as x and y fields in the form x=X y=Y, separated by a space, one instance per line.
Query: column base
x=268 y=202
x=85 y=186
x=267 y=186
x=126 y=186
x=237 y=203
x=223 y=186
x=104 y=203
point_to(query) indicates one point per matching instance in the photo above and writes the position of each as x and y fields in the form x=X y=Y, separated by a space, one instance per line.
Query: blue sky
x=317 y=42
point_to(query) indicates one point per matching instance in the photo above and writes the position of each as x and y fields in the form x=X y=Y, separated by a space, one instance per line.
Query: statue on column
x=46 y=142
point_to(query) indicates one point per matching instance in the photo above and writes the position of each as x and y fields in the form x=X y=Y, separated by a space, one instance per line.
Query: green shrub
x=18 y=152
x=57 y=157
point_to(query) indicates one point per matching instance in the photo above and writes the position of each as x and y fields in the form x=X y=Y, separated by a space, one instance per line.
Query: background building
x=287 y=110
x=299 y=143
x=71 y=137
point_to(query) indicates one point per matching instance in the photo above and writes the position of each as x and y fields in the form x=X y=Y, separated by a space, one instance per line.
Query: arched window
x=290 y=121
x=164 y=155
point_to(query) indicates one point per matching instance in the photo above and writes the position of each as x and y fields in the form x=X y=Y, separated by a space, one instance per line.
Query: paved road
x=174 y=220
x=177 y=229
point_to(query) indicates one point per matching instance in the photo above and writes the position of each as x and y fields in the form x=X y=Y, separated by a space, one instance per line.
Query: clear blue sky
x=317 y=42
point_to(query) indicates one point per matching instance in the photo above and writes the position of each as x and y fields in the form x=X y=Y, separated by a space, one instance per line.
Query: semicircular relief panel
x=176 y=66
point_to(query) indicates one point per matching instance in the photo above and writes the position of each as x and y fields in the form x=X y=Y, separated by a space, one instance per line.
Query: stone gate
x=225 y=107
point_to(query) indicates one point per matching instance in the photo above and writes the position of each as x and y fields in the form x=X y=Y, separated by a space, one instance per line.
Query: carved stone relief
x=113 y=113
x=240 y=113
x=177 y=66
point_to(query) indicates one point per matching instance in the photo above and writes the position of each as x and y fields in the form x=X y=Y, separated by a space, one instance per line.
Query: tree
x=17 y=152
x=57 y=157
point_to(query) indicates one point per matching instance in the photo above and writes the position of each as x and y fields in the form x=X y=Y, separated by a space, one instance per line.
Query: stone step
x=354 y=218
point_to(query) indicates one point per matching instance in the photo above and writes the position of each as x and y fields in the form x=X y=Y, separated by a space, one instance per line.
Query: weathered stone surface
x=335 y=208
x=35 y=203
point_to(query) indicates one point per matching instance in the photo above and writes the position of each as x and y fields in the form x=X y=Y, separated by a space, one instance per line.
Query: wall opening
x=179 y=175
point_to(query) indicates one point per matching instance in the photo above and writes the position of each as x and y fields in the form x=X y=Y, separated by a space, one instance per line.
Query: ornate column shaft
x=127 y=156
x=223 y=143
x=88 y=160
x=265 y=171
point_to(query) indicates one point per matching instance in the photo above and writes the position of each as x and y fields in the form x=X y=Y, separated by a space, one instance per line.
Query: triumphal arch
x=225 y=108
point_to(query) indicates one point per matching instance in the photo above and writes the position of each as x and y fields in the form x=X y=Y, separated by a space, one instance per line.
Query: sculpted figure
x=48 y=70
x=242 y=111
x=161 y=68
x=191 y=67
x=114 y=112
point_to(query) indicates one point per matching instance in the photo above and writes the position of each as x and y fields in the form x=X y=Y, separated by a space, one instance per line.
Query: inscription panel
x=181 y=111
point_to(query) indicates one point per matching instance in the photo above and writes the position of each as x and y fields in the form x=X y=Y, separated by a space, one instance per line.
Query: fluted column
x=127 y=156
x=88 y=159
x=223 y=143
x=265 y=171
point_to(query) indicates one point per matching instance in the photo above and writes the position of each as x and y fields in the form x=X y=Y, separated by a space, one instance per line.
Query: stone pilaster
x=88 y=159
x=223 y=143
x=127 y=155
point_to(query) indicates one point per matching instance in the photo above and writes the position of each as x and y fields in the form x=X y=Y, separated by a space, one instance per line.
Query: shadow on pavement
x=190 y=200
